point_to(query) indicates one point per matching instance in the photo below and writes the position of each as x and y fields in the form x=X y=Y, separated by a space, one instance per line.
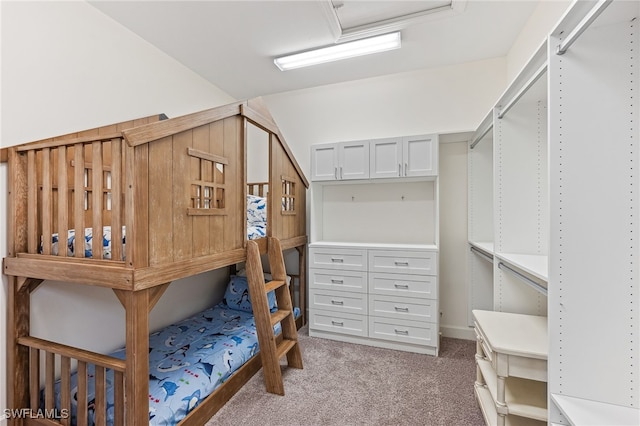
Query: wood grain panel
x=82 y=414
x=116 y=199
x=182 y=223
x=78 y=197
x=62 y=225
x=17 y=206
x=96 y=200
x=32 y=208
x=137 y=344
x=201 y=225
x=65 y=388
x=18 y=320
x=234 y=184
x=161 y=195
x=140 y=204
x=216 y=223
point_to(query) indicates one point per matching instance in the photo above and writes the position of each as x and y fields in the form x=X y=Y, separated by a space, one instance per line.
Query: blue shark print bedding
x=187 y=362
x=256 y=217
x=70 y=242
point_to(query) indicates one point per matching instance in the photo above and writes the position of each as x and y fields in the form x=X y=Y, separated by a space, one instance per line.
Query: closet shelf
x=373 y=245
x=490 y=414
x=533 y=264
x=526 y=398
x=584 y=412
x=486 y=246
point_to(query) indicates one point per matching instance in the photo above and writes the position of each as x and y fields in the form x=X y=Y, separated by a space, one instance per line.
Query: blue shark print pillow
x=237 y=295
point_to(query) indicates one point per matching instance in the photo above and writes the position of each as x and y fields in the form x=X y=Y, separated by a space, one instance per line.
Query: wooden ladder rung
x=279 y=315
x=285 y=346
x=272 y=285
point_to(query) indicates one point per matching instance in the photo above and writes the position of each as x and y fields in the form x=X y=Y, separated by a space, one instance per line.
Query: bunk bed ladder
x=270 y=349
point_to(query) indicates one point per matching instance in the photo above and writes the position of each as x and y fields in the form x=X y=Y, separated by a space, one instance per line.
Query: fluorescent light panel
x=336 y=52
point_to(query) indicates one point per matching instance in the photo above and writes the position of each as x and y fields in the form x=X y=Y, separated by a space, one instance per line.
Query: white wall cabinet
x=340 y=161
x=407 y=156
x=373 y=256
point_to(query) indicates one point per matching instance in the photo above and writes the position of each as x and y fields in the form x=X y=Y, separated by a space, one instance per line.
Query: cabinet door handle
x=401 y=286
x=401 y=308
x=337 y=302
x=337 y=259
x=335 y=172
x=406 y=166
x=338 y=323
x=341 y=172
x=403 y=332
x=336 y=281
x=401 y=263
x=399 y=169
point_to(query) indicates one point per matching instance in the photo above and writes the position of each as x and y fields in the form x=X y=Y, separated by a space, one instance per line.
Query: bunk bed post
x=136 y=305
x=17 y=355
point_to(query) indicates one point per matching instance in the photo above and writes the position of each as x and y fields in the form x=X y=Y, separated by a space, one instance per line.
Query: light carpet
x=348 y=384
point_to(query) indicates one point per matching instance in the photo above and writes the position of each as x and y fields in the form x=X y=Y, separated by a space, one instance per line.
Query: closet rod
x=524 y=278
x=482 y=254
x=582 y=26
x=482 y=135
x=523 y=90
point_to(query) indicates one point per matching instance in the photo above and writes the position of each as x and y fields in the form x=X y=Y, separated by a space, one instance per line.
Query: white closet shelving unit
x=521 y=192
x=509 y=245
x=373 y=255
x=594 y=321
x=480 y=218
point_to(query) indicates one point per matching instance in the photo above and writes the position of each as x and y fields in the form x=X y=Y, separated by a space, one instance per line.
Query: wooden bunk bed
x=148 y=181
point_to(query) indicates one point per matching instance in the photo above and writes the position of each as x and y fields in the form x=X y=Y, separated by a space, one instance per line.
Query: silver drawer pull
x=338 y=323
x=337 y=302
x=337 y=259
x=401 y=308
x=336 y=281
x=403 y=332
x=401 y=286
x=401 y=263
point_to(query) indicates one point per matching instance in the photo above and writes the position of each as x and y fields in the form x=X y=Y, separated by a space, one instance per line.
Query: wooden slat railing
x=75 y=185
x=103 y=364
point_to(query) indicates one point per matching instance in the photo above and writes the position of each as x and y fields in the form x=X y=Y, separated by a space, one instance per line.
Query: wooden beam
x=4 y=155
x=137 y=357
x=154 y=131
x=18 y=317
x=83 y=271
x=156 y=294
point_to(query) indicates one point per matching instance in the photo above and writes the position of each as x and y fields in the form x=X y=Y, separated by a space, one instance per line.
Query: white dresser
x=511 y=359
x=383 y=295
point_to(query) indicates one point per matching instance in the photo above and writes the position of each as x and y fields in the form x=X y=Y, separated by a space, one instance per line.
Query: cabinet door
x=420 y=155
x=324 y=162
x=353 y=160
x=386 y=158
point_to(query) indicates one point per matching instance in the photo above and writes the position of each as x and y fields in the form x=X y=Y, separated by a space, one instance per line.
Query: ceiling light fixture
x=336 y=52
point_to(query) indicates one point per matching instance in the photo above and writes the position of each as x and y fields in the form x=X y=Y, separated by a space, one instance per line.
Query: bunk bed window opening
x=208 y=185
x=288 y=196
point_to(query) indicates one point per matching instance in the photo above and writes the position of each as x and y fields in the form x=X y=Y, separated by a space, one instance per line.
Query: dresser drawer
x=404 y=262
x=338 y=301
x=424 y=287
x=327 y=279
x=421 y=310
x=336 y=258
x=338 y=322
x=403 y=331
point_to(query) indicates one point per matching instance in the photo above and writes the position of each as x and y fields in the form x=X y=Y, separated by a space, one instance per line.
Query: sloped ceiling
x=233 y=43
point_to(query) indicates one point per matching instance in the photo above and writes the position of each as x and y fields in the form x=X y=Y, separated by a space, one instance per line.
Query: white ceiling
x=233 y=43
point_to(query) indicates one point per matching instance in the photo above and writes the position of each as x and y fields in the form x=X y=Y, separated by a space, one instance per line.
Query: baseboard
x=457 y=332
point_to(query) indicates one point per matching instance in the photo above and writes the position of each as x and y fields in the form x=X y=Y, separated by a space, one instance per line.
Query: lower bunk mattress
x=187 y=362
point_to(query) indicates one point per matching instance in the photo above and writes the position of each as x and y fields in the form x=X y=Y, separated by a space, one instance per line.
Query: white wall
x=542 y=21
x=67 y=67
x=443 y=100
